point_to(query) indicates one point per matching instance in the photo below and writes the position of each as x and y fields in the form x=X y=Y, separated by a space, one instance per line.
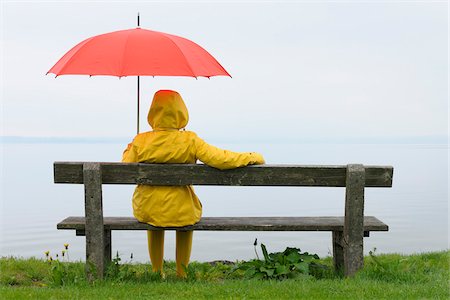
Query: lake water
x=416 y=208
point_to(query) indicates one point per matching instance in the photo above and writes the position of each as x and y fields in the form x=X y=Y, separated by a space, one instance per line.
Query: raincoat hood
x=167 y=111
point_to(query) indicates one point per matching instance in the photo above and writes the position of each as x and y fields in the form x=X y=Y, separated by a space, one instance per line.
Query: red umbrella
x=136 y=52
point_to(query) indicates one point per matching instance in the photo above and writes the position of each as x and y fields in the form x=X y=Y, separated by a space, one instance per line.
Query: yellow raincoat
x=169 y=143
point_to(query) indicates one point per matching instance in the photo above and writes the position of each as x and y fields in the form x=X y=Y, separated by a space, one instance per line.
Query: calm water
x=416 y=208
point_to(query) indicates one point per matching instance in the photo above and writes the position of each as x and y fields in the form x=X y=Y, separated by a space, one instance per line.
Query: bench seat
x=232 y=224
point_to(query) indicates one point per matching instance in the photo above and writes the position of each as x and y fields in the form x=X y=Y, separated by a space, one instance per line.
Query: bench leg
x=354 y=220
x=95 y=233
x=338 y=251
x=108 y=253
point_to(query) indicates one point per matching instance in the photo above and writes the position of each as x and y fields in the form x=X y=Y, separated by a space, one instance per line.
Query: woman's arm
x=224 y=159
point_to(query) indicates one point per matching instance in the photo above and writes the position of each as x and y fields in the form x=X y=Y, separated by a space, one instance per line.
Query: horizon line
x=436 y=139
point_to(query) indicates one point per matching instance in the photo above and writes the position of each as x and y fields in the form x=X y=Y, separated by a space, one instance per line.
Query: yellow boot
x=156 y=249
x=183 y=251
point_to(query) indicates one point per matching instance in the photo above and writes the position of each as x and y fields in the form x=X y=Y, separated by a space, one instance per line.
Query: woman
x=174 y=206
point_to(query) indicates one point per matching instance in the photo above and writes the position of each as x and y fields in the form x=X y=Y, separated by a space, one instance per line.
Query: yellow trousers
x=183 y=250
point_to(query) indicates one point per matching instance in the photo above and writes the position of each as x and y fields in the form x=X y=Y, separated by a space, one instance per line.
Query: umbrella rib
x=178 y=48
x=69 y=61
x=122 y=67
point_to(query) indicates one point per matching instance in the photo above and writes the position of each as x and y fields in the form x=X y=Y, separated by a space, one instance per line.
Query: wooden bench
x=347 y=231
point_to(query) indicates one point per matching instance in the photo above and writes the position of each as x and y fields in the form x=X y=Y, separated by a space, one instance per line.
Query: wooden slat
x=199 y=174
x=234 y=224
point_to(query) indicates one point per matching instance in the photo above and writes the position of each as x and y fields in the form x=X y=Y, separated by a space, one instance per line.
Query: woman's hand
x=257 y=158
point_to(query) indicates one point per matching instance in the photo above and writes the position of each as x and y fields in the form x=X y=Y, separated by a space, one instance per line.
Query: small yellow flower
x=66 y=246
x=47 y=253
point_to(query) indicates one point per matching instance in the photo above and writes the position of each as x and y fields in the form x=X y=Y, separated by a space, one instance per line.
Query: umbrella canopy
x=138 y=52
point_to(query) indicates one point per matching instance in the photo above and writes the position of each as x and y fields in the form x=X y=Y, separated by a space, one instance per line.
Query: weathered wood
x=338 y=250
x=199 y=174
x=354 y=218
x=108 y=250
x=347 y=232
x=233 y=224
x=95 y=235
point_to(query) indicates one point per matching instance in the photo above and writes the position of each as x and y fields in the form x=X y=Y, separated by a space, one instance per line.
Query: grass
x=390 y=276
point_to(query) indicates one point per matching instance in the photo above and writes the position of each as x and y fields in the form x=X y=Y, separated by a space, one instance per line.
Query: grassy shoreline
x=387 y=276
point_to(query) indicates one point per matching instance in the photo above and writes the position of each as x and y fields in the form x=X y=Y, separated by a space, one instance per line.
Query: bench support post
x=338 y=251
x=354 y=219
x=108 y=251
x=95 y=234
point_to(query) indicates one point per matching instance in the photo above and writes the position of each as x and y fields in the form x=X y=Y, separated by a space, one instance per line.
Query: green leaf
x=293 y=257
x=264 y=251
x=250 y=272
x=282 y=270
x=269 y=272
x=302 y=267
x=250 y=264
x=307 y=259
x=289 y=250
x=277 y=257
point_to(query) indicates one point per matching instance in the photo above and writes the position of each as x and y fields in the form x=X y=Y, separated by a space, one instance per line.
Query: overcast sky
x=300 y=70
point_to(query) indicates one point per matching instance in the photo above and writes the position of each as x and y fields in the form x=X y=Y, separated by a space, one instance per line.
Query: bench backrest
x=199 y=174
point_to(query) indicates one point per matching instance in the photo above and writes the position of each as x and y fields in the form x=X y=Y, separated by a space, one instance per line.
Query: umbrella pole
x=138 y=88
x=138 y=105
